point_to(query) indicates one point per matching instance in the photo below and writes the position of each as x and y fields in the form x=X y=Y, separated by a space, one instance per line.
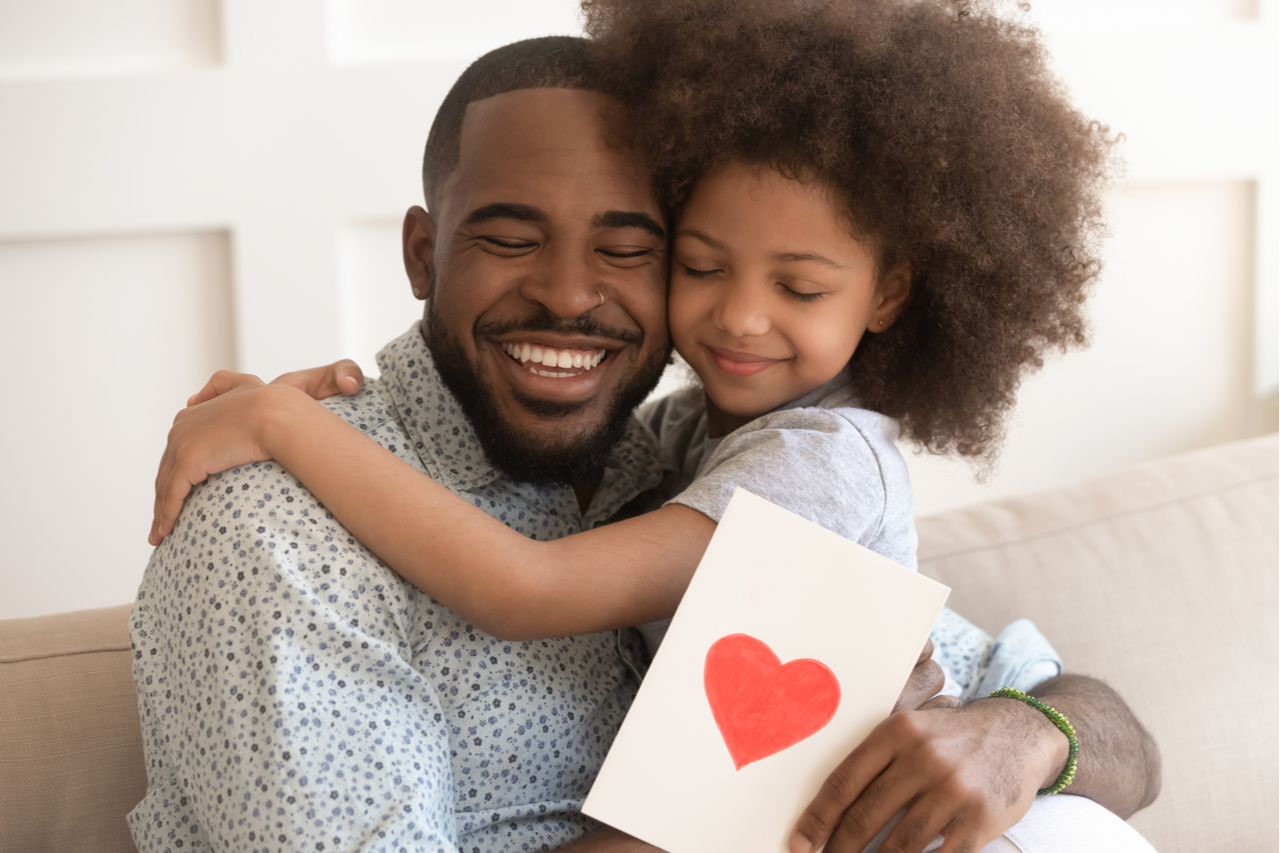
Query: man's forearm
x=1119 y=765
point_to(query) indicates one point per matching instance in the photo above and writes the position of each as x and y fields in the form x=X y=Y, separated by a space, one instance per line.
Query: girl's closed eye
x=696 y=272
x=801 y=295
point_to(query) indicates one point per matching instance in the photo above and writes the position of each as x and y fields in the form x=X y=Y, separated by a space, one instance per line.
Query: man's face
x=545 y=263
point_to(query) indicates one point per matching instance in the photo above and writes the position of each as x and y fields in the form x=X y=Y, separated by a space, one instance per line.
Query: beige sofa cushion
x=1162 y=581
x=71 y=745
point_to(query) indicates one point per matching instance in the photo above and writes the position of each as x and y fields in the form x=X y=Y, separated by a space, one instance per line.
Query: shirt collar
x=445 y=441
x=837 y=391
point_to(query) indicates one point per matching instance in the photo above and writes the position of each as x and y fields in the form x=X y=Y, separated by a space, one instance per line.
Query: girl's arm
x=515 y=588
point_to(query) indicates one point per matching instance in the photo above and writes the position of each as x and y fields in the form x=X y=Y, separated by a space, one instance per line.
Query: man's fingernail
x=800 y=844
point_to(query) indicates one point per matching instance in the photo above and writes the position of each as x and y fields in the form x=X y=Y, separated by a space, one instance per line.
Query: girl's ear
x=891 y=295
x=418 y=237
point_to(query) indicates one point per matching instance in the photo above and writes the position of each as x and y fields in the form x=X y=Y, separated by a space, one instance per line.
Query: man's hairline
x=447 y=179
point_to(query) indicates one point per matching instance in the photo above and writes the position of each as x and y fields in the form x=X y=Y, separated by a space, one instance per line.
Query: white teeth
x=548 y=357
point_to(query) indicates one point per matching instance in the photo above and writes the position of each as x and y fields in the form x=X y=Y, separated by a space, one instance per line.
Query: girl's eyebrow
x=783 y=257
x=698 y=235
x=787 y=257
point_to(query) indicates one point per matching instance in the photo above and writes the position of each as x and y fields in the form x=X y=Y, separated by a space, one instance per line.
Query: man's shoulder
x=262 y=496
x=368 y=411
x=373 y=411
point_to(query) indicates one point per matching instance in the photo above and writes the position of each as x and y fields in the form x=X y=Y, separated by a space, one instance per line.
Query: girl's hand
x=319 y=383
x=225 y=430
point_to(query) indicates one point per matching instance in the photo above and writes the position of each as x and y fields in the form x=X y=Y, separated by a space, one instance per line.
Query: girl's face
x=769 y=293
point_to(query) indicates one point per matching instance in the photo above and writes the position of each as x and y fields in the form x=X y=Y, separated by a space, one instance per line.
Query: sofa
x=1160 y=579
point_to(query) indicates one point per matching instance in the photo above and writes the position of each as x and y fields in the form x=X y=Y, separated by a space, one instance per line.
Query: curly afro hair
x=948 y=143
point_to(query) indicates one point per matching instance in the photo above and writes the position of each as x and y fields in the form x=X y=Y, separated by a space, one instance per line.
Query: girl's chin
x=724 y=419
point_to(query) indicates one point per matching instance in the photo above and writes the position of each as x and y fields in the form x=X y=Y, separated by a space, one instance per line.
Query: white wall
x=190 y=184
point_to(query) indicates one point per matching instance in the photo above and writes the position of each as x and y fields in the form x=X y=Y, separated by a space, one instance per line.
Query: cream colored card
x=791 y=644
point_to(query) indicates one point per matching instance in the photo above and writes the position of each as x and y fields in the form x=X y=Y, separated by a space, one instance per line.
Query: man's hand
x=966 y=772
x=923 y=684
x=969 y=772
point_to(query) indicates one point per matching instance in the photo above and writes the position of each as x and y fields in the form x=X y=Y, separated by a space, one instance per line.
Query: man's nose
x=741 y=310
x=564 y=281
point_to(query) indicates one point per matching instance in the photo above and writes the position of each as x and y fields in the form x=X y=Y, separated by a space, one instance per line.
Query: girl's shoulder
x=835 y=465
x=845 y=436
x=677 y=407
x=676 y=420
x=833 y=415
x=679 y=423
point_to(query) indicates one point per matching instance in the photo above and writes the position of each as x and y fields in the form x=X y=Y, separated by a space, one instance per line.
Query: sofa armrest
x=71 y=743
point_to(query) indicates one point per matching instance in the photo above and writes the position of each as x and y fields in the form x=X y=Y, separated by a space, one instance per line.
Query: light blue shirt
x=298 y=695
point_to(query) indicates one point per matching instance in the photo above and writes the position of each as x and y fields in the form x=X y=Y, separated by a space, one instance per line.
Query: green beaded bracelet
x=1069 y=772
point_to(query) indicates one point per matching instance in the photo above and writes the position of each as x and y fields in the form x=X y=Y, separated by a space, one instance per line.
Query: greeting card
x=790 y=645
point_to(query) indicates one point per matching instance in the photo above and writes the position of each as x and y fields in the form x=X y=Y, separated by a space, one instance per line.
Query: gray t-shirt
x=834 y=463
x=821 y=457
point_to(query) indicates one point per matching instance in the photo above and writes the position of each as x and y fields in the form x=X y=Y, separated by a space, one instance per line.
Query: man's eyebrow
x=782 y=257
x=628 y=219
x=505 y=210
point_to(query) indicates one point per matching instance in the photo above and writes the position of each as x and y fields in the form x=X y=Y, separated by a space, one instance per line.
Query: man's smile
x=538 y=366
x=553 y=362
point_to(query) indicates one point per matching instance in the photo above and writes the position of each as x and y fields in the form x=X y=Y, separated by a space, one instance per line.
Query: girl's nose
x=741 y=310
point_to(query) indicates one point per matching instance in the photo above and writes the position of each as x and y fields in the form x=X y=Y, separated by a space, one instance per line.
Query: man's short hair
x=560 y=62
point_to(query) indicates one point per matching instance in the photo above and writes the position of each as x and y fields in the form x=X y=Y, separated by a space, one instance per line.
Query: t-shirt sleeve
x=813 y=462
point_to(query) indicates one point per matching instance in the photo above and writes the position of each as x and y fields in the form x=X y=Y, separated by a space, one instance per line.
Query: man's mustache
x=545 y=321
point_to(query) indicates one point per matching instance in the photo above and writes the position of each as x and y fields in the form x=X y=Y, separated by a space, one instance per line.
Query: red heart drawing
x=761 y=705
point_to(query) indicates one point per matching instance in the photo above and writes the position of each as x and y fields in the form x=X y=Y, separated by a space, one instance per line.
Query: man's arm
x=1123 y=767
x=969 y=772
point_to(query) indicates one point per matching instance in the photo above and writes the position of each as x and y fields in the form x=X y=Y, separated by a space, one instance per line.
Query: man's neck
x=585 y=490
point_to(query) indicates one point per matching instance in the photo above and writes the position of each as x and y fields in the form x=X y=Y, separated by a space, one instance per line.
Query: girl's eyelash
x=694 y=273
x=803 y=297
x=632 y=254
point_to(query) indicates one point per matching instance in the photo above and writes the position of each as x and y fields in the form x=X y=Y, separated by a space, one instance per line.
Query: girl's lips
x=740 y=363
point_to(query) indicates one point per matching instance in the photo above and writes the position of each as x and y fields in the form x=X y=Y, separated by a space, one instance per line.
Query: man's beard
x=577 y=456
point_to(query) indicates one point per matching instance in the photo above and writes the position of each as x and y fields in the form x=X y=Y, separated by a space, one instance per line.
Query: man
x=296 y=694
